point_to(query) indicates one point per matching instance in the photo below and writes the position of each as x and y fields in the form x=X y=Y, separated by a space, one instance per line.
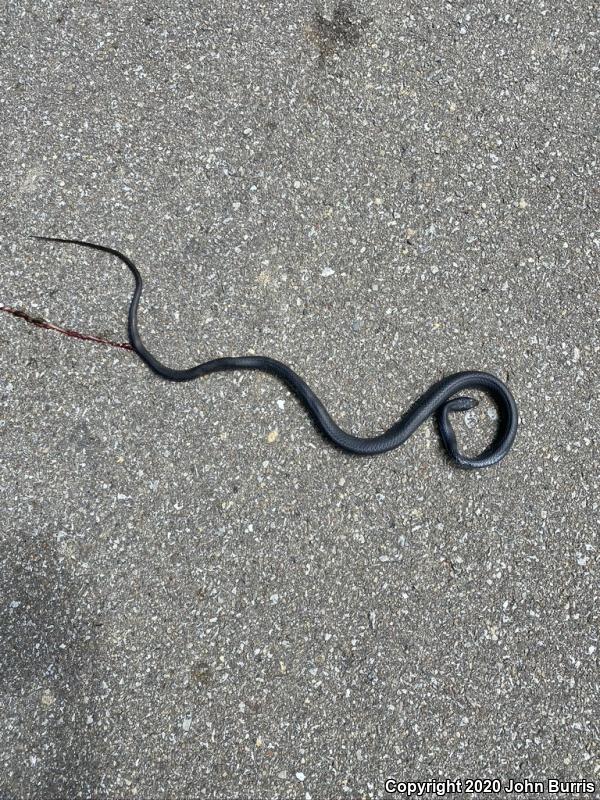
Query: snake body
x=440 y=399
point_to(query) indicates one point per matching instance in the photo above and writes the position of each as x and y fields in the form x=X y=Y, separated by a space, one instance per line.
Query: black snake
x=439 y=399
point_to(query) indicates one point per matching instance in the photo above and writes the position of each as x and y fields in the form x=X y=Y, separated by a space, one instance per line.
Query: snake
x=440 y=400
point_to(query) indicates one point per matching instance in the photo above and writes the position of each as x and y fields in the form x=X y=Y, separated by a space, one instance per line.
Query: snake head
x=447 y=431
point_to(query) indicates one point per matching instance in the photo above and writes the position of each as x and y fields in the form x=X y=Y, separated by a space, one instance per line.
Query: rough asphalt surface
x=200 y=597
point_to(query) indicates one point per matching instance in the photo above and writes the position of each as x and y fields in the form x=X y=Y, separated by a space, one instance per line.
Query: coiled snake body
x=439 y=399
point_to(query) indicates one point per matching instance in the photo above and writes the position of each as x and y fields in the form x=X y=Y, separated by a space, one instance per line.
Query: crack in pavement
x=40 y=322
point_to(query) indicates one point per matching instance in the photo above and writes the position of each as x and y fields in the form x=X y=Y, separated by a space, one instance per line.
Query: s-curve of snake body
x=440 y=399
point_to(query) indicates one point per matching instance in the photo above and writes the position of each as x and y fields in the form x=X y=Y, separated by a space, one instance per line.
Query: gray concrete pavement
x=200 y=598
